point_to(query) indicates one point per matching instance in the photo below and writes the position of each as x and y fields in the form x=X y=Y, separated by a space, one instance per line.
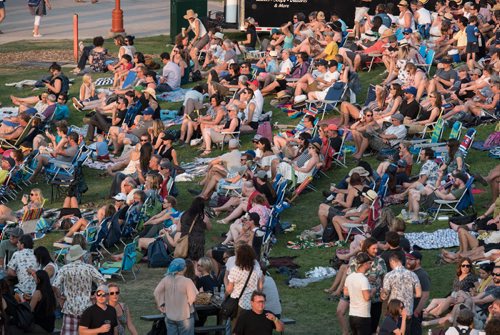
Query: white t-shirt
x=357 y=282
x=286 y=66
x=424 y=16
x=193 y=94
x=400 y=131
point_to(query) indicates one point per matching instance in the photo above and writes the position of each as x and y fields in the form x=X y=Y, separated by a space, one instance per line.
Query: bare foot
x=454 y=226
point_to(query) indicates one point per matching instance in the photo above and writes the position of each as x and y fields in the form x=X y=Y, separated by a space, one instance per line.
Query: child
x=87 y=92
x=472 y=38
x=121 y=70
x=102 y=149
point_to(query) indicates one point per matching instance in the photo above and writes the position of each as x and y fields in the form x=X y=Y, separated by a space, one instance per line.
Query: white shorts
x=360 y=13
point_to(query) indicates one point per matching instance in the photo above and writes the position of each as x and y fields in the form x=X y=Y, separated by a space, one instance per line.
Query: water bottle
x=222 y=291
x=429 y=332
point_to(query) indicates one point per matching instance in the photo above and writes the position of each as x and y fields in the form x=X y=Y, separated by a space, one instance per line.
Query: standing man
x=357 y=288
x=401 y=284
x=257 y=320
x=74 y=281
x=361 y=9
x=9 y=247
x=21 y=263
x=413 y=263
x=99 y=318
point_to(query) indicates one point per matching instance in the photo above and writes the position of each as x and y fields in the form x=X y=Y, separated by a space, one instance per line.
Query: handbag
x=229 y=307
x=182 y=246
x=159 y=327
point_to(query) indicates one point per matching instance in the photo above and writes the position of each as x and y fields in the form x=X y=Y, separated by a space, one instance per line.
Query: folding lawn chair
x=334 y=96
x=129 y=80
x=429 y=58
x=340 y=156
x=373 y=216
x=16 y=144
x=127 y=263
x=455 y=206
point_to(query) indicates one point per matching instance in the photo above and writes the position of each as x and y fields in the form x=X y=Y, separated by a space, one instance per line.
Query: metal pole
x=75 y=37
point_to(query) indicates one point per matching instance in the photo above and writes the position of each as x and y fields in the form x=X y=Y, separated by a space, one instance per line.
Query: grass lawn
x=308 y=306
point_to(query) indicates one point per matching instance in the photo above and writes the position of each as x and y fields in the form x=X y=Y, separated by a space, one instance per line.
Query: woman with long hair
x=43 y=304
x=246 y=266
x=196 y=217
x=166 y=148
x=122 y=311
x=146 y=152
x=32 y=201
x=395 y=321
x=45 y=262
x=154 y=133
x=427 y=115
x=299 y=173
x=265 y=161
x=393 y=101
x=454 y=162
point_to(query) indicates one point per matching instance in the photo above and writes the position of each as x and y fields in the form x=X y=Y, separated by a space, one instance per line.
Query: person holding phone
x=99 y=318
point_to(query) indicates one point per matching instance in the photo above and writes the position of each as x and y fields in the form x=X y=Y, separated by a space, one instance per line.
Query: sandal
x=205 y=153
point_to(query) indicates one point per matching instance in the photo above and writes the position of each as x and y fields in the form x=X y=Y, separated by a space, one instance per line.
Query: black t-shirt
x=253 y=37
x=122 y=213
x=336 y=143
x=389 y=325
x=402 y=178
x=94 y=317
x=404 y=243
x=121 y=115
x=409 y=109
x=207 y=282
x=425 y=283
x=250 y=323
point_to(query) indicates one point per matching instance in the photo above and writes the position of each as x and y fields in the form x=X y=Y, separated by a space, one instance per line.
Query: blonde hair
x=206 y=264
x=87 y=79
x=158 y=127
x=39 y=194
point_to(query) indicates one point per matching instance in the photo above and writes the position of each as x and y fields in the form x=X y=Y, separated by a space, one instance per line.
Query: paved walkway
x=141 y=18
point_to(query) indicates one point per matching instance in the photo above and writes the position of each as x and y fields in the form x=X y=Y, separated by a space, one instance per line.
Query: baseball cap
x=411 y=90
x=102 y=288
x=120 y=197
x=15 y=232
x=219 y=35
x=414 y=255
x=250 y=153
x=139 y=88
x=233 y=143
x=321 y=62
x=407 y=31
x=256 y=138
x=398 y=116
x=148 y=111
x=332 y=127
x=261 y=174
x=446 y=60
x=275 y=31
x=11 y=161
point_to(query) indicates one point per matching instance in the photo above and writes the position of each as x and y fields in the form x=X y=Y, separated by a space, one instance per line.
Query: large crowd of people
x=380 y=283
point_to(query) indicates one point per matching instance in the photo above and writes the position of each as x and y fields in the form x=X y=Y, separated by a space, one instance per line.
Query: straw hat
x=403 y=3
x=448 y=16
x=75 y=252
x=387 y=33
x=151 y=92
x=190 y=14
x=250 y=20
x=370 y=194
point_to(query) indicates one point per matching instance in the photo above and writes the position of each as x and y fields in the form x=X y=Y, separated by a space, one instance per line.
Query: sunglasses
x=143 y=140
x=466 y=266
x=100 y=295
x=114 y=293
x=243 y=66
x=369 y=115
x=496 y=274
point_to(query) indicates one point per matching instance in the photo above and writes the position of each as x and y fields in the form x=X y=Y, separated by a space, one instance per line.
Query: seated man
x=388 y=139
x=64 y=154
x=103 y=123
x=119 y=136
x=444 y=78
x=454 y=192
x=12 y=129
x=9 y=247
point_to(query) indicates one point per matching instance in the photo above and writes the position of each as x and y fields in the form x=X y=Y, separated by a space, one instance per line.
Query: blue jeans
x=183 y=327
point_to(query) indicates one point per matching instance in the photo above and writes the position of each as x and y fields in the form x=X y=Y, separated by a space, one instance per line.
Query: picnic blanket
x=316 y=274
x=441 y=238
x=97 y=165
x=174 y=96
x=8 y=112
x=105 y=81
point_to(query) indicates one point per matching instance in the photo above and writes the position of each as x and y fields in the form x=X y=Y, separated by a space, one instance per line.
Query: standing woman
x=38 y=9
x=200 y=38
x=122 y=311
x=196 y=218
x=43 y=304
x=175 y=296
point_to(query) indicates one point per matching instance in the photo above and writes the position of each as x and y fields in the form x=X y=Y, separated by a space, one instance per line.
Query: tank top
x=203 y=30
x=401 y=20
x=228 y=124
x=131 y=167
x=166 y=153
x=424 y=16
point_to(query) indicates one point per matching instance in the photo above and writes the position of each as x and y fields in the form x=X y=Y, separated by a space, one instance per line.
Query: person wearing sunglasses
x=122 y=311
x=99 y=318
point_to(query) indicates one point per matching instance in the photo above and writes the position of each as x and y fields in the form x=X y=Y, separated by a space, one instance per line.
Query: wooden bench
x=152 y=317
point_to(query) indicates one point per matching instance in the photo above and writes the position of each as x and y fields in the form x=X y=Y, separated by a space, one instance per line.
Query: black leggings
x=82 y=62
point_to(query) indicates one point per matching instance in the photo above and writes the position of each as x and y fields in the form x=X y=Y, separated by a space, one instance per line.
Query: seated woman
x=11 y=130
x=289 y=142
x=43 y=304
x=298 y=173
x=161 y=220
x=358 y=215
x=427 y=114
x=169 y=235
x=54 y=86
x=365 y=124
x=238 y=204
x=412 y=76
x=166 y=149
x=102 y=213
x=464 y=282
x=215 y=134
x=479 y=106
x=393 y=101
x=216 y=115
x=32 y=201
x=252 y=110
x=264 y=162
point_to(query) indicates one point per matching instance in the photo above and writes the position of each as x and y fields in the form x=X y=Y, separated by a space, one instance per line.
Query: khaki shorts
x=202 y=42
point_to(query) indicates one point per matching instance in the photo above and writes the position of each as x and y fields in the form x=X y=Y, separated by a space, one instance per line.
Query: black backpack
x=329 y=234
x=158 y=255
x=20 y=313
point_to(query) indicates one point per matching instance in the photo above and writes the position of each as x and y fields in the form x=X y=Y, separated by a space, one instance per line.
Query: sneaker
x=77 y=104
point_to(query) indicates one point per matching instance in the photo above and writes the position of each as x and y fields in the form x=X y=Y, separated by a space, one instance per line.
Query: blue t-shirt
x=102 y=148
x=61 y=113
x=471 y=31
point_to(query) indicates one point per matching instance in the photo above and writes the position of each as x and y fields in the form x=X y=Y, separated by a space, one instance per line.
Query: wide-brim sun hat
x=75 y=252
x=151 y=91
x=190 y=14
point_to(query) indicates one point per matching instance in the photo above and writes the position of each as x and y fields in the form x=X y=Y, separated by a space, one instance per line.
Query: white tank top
x=203 y=30
x=424 y=16
x=401 y=20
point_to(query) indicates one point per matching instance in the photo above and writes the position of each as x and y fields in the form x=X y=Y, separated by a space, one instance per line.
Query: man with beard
x=491 y=293
x=413 y=263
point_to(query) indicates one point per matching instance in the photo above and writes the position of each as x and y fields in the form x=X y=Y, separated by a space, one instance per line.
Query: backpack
x=64 y=83
x=158 y=255
x=329 y=234
x=463 y=331
x=20 y=313
x=159 y=327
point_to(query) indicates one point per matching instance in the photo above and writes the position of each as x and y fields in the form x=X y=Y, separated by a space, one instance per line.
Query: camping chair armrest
x=61 y=164
x=444 y=202
x=229 y=132
x=375 y=54
x=6 y=143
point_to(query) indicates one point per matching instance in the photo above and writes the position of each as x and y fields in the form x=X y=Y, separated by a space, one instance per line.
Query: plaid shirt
x=74 y=280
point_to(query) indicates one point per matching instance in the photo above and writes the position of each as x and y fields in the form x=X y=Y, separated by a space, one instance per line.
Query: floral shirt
x=21 y=261
x=430 y=169
x=239 y=276
x=74 y=280
x=400 y=283
x=375 y=274
x=98 y=61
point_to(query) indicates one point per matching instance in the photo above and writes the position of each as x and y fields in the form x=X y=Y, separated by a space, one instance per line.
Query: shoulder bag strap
x=246 y=283
x=192 y=225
